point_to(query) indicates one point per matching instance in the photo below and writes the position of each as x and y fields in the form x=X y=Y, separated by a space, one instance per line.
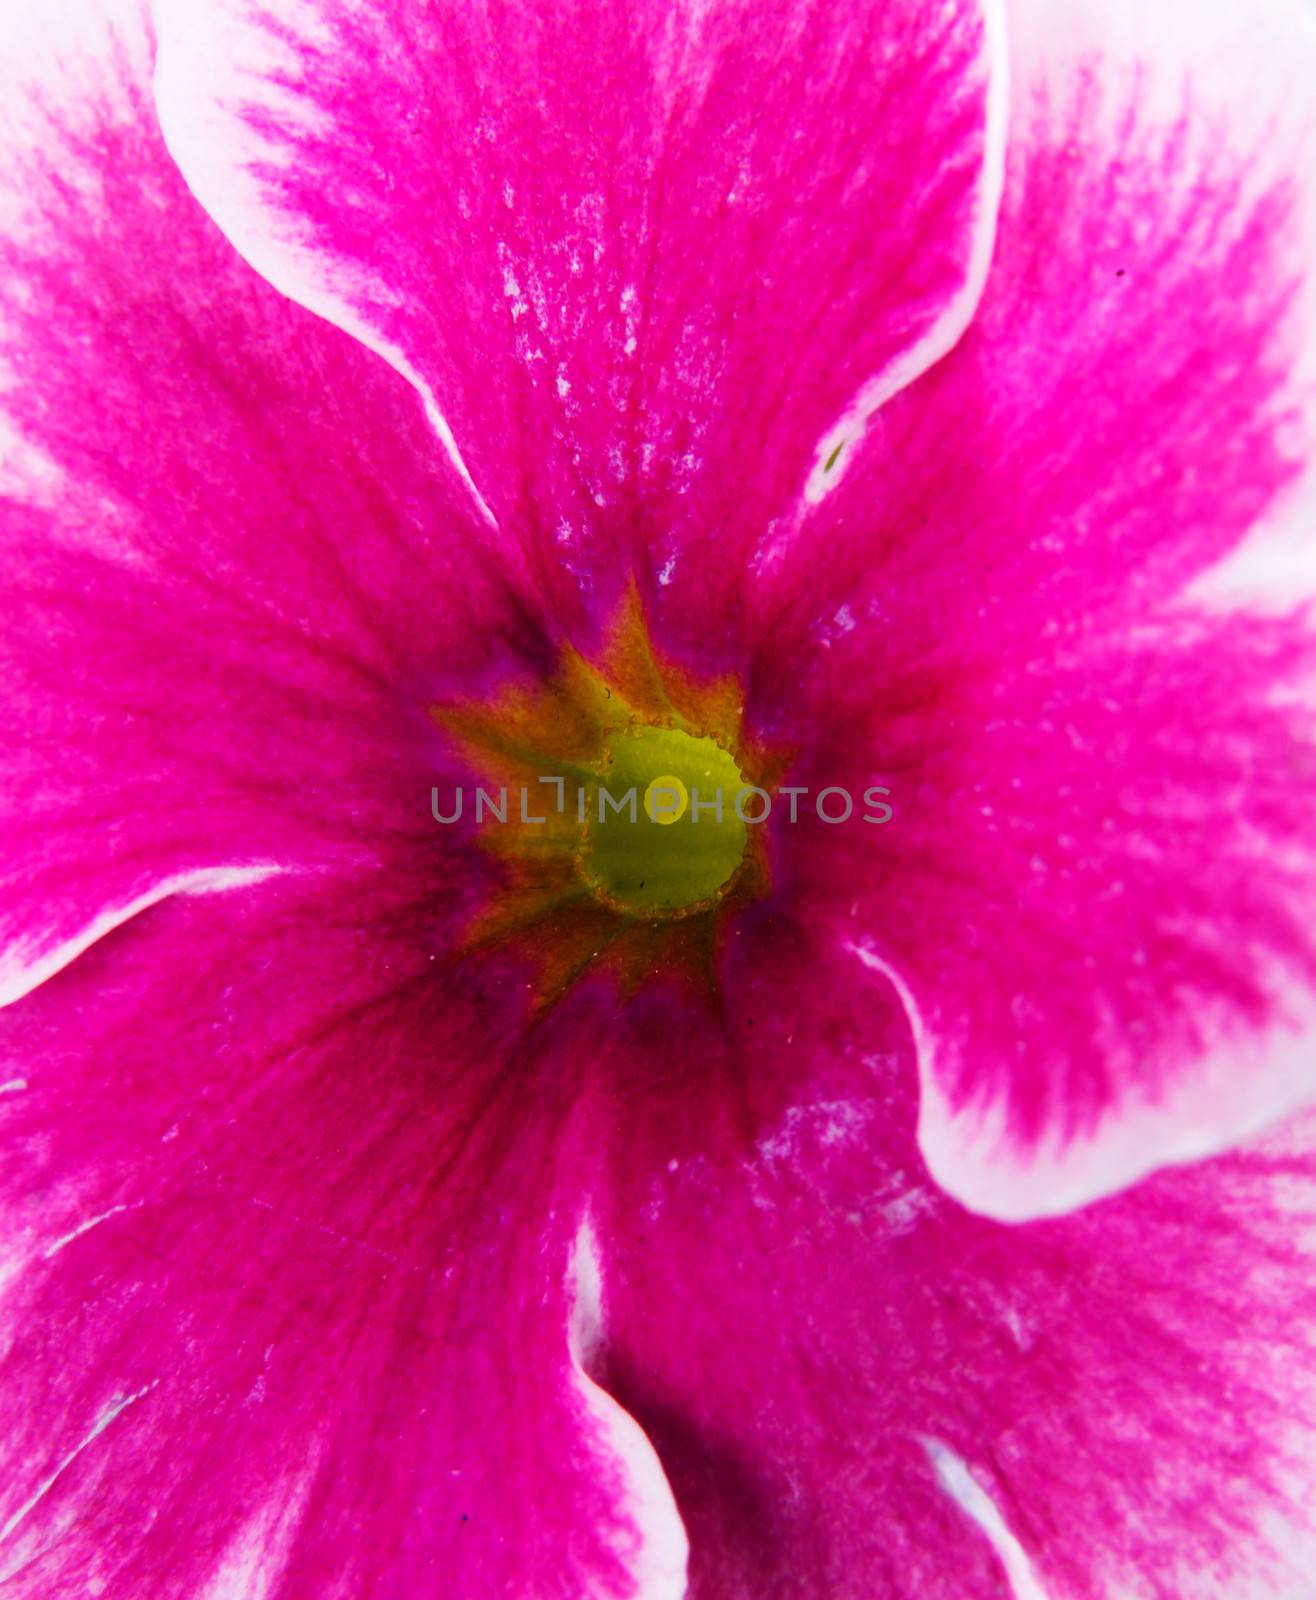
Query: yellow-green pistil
x=662 y=835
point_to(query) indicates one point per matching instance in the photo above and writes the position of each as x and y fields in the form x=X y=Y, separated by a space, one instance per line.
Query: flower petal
x=236 y=567
x=1094 y=896
x=891 y=1395
x=288 y=1243
x=640 y=259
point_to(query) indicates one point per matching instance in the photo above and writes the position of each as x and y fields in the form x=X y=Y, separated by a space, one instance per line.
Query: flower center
x=662 y=834
x=612 y=816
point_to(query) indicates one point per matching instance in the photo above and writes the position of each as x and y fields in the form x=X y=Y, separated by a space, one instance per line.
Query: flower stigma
x=685 y=844
x=665 y=800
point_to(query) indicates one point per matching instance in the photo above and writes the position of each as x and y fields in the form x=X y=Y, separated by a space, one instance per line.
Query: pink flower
x=413 y=397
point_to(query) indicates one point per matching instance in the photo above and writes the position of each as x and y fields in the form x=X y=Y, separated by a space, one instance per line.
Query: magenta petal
x=218 y=513
x=632 y=251
x=1024 y=606
x=858 y=1388
x=289 y=1282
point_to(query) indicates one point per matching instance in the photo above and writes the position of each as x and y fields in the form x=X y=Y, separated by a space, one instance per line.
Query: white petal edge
x=13 y=1524
x=964 y=1489
x=60 y=50
x=829 y=465
x=1252 y=62
x=1230 y=1097
x=659 y=1565
x=191 y=39
x=26 y=964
